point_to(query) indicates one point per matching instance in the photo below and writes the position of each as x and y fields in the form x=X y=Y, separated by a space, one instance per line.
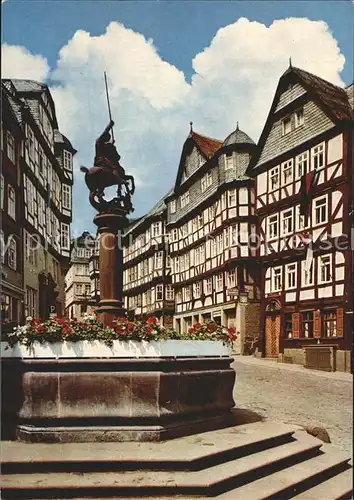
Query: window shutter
x=317 y=324
x=340 y=322
x=296 y=325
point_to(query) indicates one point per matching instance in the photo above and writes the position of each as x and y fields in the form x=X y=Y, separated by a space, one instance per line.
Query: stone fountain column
x=110 y=227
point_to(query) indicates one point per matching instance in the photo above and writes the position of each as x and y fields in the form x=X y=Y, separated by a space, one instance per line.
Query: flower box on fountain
x=134 y=380
x=64 y=338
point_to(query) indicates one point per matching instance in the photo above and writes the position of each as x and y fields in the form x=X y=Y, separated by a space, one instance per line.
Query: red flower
x=149 y=329
x=122 y=319
x=191 y=331
x=211 y=327
x=36 y=320
x=130 y=325
x=231 y=330
x=197 y=326
x=233 y=337
x=41 y=328
x=67 y=330
x=152 y=320
x=61 y=321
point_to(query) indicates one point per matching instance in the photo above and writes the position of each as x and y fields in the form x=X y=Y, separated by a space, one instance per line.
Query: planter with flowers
x=81 y=381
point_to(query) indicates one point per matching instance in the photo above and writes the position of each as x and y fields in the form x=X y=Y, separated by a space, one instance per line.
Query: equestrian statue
x=107 y=171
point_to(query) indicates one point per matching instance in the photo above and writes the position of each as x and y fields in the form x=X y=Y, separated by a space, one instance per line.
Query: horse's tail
x=84 y=169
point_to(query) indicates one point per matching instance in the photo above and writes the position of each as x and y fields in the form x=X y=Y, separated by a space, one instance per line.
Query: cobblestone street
x=293 y=394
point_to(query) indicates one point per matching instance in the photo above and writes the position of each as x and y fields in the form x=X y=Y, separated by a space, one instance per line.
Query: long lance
x=109 y=106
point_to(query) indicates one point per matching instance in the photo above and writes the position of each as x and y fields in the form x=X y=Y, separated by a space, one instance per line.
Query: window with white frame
x=219 y=243
x=66 y=196
x=196 y=290
x=290 y=272
x=170 y=295
x=233 y=235
x=231 y=278
x=286 y=125
x=219 y=282
x=176 y=265
x=232 y=198
x=156 y=229
x=302 y=164
x=31 y=302
x=173 y=206
x=159 y=292
x=65 y=236
x=185 y=229
x=2 y=187
x=318 y=157
x=184 y=199
x=273 y=226
x=208 y=286
x=229 y=162
x=174 y=234
x=11 y=148
x=211 y=212
x=274 y=178
x=206 y=181
x=324 y=269
x=277 y=279
x=320 y=210
x=287 y=221
x=168 y=261
x=12 y=254
x=158 y=260
x=187 y=293
x=31 y=147
x=79 y=289
x=306 y=274
x=11 y=202
x=227 y=237
x=200 y=221
x=299 y=117
x=213 y=247
x=287 y=172
x=67 y=160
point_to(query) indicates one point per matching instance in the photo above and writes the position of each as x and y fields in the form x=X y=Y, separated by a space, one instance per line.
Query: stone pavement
x=293 y=394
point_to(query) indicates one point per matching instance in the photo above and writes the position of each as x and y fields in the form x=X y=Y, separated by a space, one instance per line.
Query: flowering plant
x=71 y=330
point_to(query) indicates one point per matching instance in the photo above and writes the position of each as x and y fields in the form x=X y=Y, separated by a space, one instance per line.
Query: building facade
x=12 y=292
x=212 y=228
x=78 y=300
x=45 y=198
x=304 y=204
x=147 y=281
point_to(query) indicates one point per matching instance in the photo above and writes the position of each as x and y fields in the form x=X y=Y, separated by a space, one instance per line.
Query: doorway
x=272 y=335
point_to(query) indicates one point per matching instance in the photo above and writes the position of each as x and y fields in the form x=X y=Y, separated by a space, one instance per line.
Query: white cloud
x=234 y=80
x=18 y=62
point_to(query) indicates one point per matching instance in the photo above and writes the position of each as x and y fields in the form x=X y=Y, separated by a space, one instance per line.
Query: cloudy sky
x=168 y=63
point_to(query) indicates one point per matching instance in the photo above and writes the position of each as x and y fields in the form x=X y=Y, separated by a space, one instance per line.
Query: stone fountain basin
x=145 y=391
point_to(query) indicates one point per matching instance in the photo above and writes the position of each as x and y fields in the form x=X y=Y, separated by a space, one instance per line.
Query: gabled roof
x=350 y=93
x=60 y=138
x=207 y=145
x=331 y=98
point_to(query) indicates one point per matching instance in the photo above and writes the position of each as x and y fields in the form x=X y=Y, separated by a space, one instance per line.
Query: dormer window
x=229 y=162
x=173 y=206
x=67 y=160
x=286 y=125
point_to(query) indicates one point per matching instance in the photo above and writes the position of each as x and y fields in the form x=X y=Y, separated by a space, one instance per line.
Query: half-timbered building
x=211 y=227
x=147 y=282
x=12 y=292
x=304 y=170
x=78 y=296
x=46 y=178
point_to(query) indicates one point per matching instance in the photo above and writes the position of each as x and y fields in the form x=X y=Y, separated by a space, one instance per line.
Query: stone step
x=187 y=453
x=339 y=487
x=134 y=483
x=300 y=477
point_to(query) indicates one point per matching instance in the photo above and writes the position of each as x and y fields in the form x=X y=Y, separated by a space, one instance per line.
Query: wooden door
x=272 y=333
